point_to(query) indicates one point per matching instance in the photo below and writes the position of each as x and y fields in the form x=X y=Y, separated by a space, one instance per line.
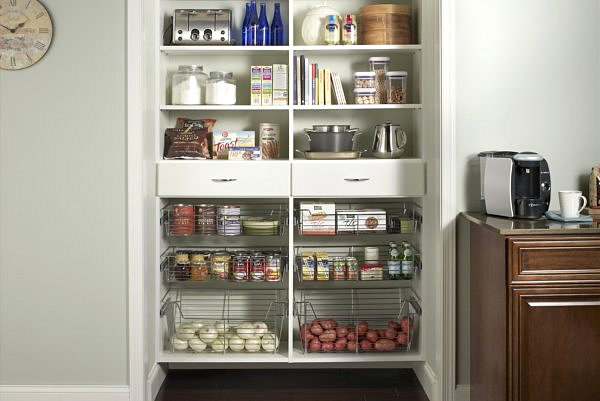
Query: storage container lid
x=365 y=74
x=385 y=9
x=365 y=91
x=379 y=60
x=396 y=74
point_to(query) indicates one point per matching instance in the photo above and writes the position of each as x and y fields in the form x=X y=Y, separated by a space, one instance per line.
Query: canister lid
x=365 y=74
x=365 y=91
x=379 y=60
x=396 y=74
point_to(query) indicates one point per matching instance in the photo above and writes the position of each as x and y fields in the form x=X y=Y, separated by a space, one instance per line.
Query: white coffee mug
x=569 y=203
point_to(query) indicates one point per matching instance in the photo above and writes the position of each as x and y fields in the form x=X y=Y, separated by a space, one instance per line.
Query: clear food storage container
x=396 y=86
x=187 y=85
x=364 y=95
x=364 y=79
x=379 y=65
x=221 y=88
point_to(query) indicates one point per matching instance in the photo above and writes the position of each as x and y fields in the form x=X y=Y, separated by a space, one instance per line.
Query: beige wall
x=527 y=79
x=63 y=203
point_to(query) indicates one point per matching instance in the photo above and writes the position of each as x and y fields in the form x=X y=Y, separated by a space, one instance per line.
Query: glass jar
x=199 y=267
x=380 y=66
x=396 y=86
x=187 y=85
x=221 y=88
x=364 y=79
x=364 y=95
x=183 y=270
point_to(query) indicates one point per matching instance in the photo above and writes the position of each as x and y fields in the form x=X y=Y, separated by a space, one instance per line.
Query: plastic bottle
x=252 y=32
x=263 y=26
x=245 y=25
x=332 y=31
x=349 y=30
x=394 y=262
x=277 y=27
x=408 y=260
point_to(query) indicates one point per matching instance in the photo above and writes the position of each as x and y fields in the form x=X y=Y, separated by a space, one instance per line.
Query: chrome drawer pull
x=356 y=179
x=223 y=179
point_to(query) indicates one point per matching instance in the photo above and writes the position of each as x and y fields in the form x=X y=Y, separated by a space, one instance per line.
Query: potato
x=394 y=325
x=372 y=336
x=351 y=336
x=342 y=331
x=381 y=333
x=327 y=346
x=351 y=346
x=389 y=345
x=380 y=345
x=316 y=321
x=390 y=334
x=406 y=324
x=328 y=324
x=341 y=344
x=328 y=335
x=316 y=329
x=362 y=327
x=315 y=345
x=402 y=338
x=366 y=345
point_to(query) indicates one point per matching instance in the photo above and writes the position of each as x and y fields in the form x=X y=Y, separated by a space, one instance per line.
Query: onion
x=351 y=336
x=260 y=328
x=246 y=330
x=222 y=326
x=208 y=334
x=394 y=325
x=220 y=344
x=185 y=334
x=178 y=344
x=253 y=344
x=197 y=345
x=270 y=342
x=236 y=343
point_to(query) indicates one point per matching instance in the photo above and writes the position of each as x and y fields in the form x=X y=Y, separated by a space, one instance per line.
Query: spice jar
x=199 y=266
x=364 y=79
x=364 y=95
x=187 y=85
x=396 y=86
x=380 y=66
x=221 y=88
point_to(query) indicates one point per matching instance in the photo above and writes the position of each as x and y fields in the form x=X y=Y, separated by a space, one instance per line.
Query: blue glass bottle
x=245 y=25
x=263 y=26
x=277 y=27
x=252 y=32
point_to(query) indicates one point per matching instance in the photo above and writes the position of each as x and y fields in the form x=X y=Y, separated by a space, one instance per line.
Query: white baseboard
x=462 y=393
x=428 y=380
x=156 y=377
x=64 y=393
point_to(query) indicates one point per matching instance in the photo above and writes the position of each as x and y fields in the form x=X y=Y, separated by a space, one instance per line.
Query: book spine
x=303 y=79
x=327 y=88
x=298 y=85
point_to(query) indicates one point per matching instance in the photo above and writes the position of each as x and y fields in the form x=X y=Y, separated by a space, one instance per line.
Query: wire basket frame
x=220 y=314
x=346 y=312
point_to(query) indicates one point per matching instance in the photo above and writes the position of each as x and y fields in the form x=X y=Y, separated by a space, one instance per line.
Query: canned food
x=206 y=219
x=241 y=267
x=229 y=220
x=199 y=266
x=183 y=269
x=269 y=140
x=339 y=268
x=220 y=266
x=352 y=268
x=258 y=267
x=181 y=220
x=273 y=267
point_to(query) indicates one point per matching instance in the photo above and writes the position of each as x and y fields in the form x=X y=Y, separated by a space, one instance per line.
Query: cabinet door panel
x=555 y=344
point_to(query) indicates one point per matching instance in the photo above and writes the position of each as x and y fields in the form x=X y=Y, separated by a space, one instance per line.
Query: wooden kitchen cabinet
x=535 y=310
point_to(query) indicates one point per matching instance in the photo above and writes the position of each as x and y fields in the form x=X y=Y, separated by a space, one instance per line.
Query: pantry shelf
x=339 y=357
x=359 y=49
x=233 y=357
x=222 y=50
x=236 y=107
x=413 y=106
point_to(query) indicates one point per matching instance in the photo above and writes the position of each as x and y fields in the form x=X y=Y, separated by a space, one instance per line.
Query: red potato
x=315 y=345
x=406 y=324
x=329 y=324
x=316 y=329
x=362 y=328
x=372 y=335
x=379 y=345
x=390 y=334
x=366 y=345
x=328 y=335
x=352 y=346
x=308 y=338
x=351 y=336
x=402 y=338
x=327 y=346
x=388 y=345
x=394 y=325
x=381 y=333
x=342 y=331
x=341 y=344
x=316 y=321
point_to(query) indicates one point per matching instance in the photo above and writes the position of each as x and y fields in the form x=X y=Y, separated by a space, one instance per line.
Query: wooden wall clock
x=25 y=33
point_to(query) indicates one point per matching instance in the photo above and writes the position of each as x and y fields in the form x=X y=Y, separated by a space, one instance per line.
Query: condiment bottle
x=394 y=262
x=332 y=31
x=349 y=31
x=408 y=260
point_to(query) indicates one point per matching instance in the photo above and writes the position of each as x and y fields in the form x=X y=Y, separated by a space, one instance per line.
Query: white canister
x=221 y=88
x=269 y=136
x=371 y=254
x=187 y=85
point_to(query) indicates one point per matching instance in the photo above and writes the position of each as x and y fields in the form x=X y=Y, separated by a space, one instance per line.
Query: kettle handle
x=402 y=140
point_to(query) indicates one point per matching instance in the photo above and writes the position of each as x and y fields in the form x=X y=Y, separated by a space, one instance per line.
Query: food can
x=199 y=266
x=183 y=269
x=273 y=267
x=205 y=219
x=229 y=220
x=181 y=220
x=269 y=136
x=371 y=272
x=339 y=268
x=219 y=265
x=352 y=268
x=258 y=267
x=240 y=269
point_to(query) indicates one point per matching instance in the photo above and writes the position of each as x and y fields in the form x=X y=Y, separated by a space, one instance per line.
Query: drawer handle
x=356 y=179
x=223 y=179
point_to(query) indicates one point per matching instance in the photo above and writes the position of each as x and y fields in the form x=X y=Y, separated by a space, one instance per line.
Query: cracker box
x=317 y=218
x=241 y=154
x=267 y=85
x=255 y=85
x=224 y=140
x=371 y=221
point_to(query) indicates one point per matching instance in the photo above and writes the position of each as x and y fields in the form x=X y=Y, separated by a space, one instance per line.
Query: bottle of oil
x=349 y=30
x=332 y=31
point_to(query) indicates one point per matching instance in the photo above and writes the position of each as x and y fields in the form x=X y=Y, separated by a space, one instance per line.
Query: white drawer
x=358 y=178
x=213 y=178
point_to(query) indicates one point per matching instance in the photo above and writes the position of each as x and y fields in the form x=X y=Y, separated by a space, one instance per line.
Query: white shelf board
x=212 y=50
x=229 y=357
x=358 y=49
x=416 y=106
x=170 y=107
x=368 y=357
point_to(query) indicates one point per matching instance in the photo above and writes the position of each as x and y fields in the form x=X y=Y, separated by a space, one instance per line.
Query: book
x=267 y=85
x=313 y=88
x=327 y=89
x=303 y=80
x=321 y=87
x=338 y=89
x=298 y=84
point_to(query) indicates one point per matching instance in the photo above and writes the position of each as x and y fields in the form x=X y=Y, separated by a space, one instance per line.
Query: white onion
x=220 y=344
x=185 y=334
x=260 y=328
x=197 y=345
x=253 y=344
x=222 y=326
x=208 y=334
x=178 y=344
x=236 y=343
x=246 y=330
x=270 y=342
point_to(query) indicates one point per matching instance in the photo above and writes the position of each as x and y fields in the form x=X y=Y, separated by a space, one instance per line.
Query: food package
x=255 y=85
x=317 y=218
x=225 y=140
x=207 y=123
x=308 y=266
x=595 y=188
x=322 y=266
x=241 y=154
x=371 y=272
x=347 y=221
x=187 y=144
x=267 y=85
x=280 y=85
x=371 y=221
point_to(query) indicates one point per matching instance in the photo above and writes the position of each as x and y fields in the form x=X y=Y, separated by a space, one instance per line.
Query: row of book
x=316 y=86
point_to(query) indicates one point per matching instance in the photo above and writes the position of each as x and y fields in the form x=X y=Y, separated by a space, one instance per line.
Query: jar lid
x=191 y=67
x=366 y=91
x=379 y=60
x=221 y=74
x=396 y=74
x=366 y=74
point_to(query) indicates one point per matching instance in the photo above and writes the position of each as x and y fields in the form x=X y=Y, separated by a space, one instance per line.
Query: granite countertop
x=506 y=226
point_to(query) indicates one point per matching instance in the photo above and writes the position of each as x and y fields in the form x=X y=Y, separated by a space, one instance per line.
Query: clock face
x=25 y=33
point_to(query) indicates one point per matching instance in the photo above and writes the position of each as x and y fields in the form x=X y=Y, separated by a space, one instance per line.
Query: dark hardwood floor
x=292 y=385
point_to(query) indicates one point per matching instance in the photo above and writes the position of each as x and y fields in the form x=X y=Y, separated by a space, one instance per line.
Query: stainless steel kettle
x=389 y=141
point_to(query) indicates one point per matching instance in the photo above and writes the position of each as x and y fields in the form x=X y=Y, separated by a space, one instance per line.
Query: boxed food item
x=317 y=218
x=308 y=266
x=255 y=85
x=371 y=221
x=249 y=153
x=347 y=221
x=225 y=140
x=595 y=188
x=267 y=85
x=280 y=84
x=322 y=266
x=371 y=272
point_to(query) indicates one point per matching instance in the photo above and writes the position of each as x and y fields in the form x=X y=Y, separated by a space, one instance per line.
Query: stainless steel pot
x=331 y=141
x=333 y=128
x=389 y=141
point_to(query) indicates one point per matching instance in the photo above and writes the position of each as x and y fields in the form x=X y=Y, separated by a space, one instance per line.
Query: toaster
x=202 y=27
